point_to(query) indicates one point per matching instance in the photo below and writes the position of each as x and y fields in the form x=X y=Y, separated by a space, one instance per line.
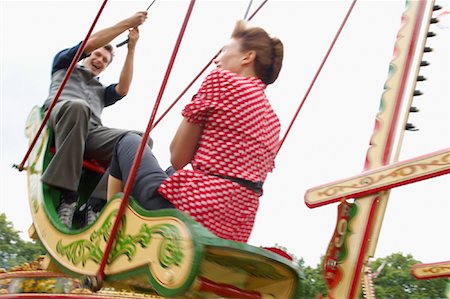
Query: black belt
x=254 y=186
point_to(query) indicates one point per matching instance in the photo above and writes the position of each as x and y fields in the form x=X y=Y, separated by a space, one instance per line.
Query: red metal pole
x=184 y=91
x=20 y=167
x=129 y=184
x=199 y=74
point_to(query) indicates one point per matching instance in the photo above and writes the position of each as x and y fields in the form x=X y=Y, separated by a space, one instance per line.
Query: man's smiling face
x=98 y=61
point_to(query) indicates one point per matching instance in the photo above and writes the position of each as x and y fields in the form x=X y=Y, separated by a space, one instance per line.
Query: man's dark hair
x=110 y=49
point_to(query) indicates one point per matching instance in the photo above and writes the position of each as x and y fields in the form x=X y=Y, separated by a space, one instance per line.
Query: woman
x=229 y=135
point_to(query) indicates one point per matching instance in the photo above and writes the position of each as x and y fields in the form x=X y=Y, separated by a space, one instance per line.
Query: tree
x=396 y=280
x=13 y=250
x=314 y=283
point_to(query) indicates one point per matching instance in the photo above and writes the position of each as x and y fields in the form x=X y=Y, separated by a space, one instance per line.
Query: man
x=76 y=117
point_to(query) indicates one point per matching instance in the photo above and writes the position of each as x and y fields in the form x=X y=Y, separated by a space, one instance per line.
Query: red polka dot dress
x=239 y=139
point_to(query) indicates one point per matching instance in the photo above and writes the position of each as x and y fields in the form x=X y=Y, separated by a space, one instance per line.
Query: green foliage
x=314 y=283
x=394 y=281
x=13 y=250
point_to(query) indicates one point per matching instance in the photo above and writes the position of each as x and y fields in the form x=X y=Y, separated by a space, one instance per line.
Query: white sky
x=328 y=141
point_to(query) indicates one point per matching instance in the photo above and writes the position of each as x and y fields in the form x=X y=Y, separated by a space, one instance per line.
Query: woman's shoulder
x=232 y=80
x=221 y=74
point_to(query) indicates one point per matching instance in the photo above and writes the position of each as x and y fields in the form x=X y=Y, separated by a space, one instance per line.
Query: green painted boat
x=162 y=252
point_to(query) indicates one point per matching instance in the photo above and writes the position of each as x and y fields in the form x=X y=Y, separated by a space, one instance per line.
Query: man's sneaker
x=67 y=196
x=91 y=216
x=65 y=213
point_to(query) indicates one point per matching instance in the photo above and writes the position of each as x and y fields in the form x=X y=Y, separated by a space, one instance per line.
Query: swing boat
x=164 y=252
x=167 y=253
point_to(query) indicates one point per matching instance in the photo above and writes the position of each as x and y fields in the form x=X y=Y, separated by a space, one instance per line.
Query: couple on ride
x=229 y=133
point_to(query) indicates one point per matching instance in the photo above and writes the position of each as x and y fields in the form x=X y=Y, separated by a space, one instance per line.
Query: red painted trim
x=226 y=290
x=431 y=276
x=387 y=151
x=280 y=252
x=398 y=101
x=362 y=252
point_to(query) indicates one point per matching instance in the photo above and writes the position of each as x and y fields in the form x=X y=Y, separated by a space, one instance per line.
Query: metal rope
x=201 y=72
x=317 y=74
x=127 y=40
x=248 y=9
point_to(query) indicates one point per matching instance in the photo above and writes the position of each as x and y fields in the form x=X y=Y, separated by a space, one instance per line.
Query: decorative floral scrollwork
x=437 y=270
x=80 y=251
x=170 y=251
x=400 y=172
